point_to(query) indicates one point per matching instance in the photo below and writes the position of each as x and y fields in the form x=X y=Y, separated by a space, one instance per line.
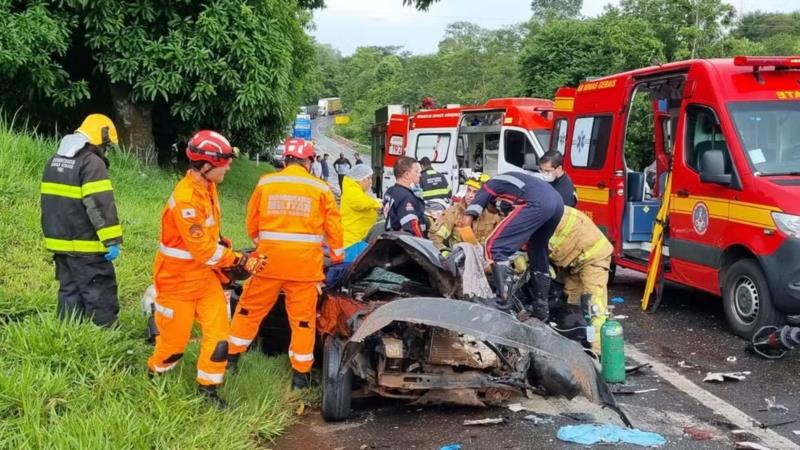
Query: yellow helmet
x=99 y=129
x=476 y=180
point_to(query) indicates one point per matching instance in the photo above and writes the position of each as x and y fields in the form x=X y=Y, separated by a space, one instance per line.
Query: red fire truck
x=501 y=135
x=729 y=132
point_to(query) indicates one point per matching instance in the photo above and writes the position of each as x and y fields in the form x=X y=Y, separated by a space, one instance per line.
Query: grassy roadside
x=71 y=385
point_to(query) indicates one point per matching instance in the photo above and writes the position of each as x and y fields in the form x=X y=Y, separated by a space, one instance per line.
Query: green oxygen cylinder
x=612 y=344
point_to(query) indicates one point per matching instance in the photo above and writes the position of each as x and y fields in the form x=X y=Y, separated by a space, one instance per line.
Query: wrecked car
x=397 y=325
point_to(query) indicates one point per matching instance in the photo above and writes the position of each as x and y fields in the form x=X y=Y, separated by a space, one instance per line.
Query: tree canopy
x=236 y=66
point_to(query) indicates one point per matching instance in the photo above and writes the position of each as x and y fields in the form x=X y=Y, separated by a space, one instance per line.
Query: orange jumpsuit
x=187 y=287
x=289 y=214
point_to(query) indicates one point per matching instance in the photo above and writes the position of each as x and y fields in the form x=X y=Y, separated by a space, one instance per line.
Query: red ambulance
x=730 y=128
x=501 y=135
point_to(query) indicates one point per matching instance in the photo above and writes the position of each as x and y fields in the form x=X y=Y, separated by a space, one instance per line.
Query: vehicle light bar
x=762 y=61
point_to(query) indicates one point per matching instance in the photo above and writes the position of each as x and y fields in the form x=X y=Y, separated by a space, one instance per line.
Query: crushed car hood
x=560 y=365
x=415 y=258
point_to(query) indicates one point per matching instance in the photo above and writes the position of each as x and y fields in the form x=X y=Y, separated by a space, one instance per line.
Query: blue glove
x=113 y=253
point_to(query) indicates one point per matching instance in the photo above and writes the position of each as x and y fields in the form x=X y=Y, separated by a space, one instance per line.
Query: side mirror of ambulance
x=712 y=168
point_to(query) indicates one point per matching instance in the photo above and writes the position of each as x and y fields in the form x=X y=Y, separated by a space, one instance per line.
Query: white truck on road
x=329 y=106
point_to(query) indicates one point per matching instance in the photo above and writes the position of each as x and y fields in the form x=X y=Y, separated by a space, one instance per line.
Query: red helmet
x=298 y=148
x=210 y=146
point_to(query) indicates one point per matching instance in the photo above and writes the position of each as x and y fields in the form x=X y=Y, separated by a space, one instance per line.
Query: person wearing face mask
x=403 y=208
x=551 y=169
x=443 y=233
x=80 y=223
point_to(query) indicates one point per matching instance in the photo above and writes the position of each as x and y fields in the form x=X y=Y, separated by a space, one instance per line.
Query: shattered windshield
x=770 y=135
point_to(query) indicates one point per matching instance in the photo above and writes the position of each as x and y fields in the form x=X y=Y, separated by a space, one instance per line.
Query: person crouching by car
x=444 y=234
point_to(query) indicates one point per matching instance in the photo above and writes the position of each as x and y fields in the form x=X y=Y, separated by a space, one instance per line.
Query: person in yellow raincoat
x=359 y=210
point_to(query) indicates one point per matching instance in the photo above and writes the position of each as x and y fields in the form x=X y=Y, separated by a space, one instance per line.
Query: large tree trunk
x=134 y=124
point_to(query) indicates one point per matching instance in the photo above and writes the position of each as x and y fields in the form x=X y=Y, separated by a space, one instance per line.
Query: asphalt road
x=324 y=144
x=685 y=339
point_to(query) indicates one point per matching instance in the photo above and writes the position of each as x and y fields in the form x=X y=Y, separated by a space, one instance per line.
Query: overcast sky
x=347 y=24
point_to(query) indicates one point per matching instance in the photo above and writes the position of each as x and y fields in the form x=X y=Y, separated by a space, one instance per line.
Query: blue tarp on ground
x=588 y=434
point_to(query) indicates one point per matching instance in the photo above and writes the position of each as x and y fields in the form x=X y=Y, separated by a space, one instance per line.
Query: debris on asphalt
x=451 y=447
x=698 y=434
x=640 y=391
x=726 y=376
x=364 y=447
x=487 y=421
x=632 y=369
x=538 y=420
x=750 y=445
x=684 y=365
x=579 y=417
x=773 y=405
x=588 y=434
x=766 y=425
x=731 y=359
x=796 y=432
x=620 y=317
x=516 y=407
x=617 y=300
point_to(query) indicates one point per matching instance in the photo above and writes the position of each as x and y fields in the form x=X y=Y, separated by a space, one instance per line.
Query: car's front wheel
x=336 y=387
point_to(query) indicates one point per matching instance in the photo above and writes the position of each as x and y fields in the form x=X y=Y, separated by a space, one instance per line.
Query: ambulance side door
x=517 y=150
x=590 y=163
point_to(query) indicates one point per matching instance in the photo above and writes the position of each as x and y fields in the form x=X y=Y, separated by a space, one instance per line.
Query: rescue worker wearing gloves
x=359 y=209
x=443 y=233
x=582 y=254
x=532 y=210
x=434 y=184
x=403 y=209
x=551 y=169
x=190 y=255
x=80 y=223
x=289 y=215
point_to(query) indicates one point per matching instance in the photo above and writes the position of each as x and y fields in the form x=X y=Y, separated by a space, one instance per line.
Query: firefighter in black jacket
x=433 y=184
x=80 y=223
x=404 y=211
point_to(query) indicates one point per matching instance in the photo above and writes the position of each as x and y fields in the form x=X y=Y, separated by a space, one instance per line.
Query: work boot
x=501 y=274
x=300 y=380
x=210 y=394
x=540 y=306
x=233 y=363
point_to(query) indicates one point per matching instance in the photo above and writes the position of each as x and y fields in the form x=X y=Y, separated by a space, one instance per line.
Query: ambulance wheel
x=337 y=388
x=747 y=300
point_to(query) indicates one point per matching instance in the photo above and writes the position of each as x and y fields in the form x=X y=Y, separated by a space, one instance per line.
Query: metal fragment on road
x=773 y=404
x=684 y=365
x=731 y=359
x=537 y=420
x=749 y=445
x=488 y=421
x=725 y=376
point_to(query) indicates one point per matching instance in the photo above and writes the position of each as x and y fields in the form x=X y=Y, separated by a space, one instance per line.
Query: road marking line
x=731 y=413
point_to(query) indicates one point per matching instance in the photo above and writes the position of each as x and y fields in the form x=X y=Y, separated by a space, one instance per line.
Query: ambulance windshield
x=770 y=135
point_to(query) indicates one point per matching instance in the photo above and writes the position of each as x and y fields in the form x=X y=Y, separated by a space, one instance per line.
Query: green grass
x=68 y=384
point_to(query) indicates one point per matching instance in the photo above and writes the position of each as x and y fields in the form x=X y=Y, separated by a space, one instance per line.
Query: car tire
x=747 y=300
x=337 y=389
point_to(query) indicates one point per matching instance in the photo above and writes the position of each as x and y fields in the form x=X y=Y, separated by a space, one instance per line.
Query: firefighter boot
x=300 y=380
x=210 y=394
x=501 y=274
x=233 y=363
x=540 y=307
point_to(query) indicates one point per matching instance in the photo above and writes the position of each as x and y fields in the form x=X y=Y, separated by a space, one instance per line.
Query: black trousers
x=341 y=178
x=88 y=288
